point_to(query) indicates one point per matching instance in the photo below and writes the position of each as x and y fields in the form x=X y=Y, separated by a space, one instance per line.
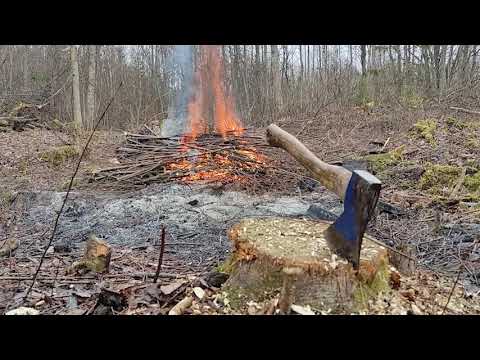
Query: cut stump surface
x=266 y=251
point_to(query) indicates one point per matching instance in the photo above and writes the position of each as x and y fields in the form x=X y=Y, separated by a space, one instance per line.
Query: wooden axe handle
x=334 y=178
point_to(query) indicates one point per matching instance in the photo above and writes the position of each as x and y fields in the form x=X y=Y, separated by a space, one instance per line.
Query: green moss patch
x=6 y=198
x=370 y=290
x=472 y=183
x=441 y=179
x=425 y=129
x=380 y=162
x=455 y=124
x=439 y=176
x=59 y=155
x=473 y=143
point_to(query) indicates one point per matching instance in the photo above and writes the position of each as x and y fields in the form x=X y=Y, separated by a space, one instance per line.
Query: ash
x=196 y=218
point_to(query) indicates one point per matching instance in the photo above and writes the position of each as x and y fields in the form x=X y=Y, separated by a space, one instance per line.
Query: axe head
x=345 y=235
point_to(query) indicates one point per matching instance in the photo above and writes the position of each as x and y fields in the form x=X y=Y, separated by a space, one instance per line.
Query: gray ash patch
x=196 y=217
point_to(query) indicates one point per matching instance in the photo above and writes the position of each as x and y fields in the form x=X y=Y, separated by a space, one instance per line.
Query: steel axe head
x=345 y=235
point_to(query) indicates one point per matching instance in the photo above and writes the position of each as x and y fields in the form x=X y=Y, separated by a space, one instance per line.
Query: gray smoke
x=181 y=68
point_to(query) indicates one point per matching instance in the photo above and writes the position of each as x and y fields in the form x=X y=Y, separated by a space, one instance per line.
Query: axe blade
x=345 y=235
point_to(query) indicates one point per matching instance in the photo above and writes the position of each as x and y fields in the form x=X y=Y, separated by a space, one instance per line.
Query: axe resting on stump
x=294 y=256
x=359 y=191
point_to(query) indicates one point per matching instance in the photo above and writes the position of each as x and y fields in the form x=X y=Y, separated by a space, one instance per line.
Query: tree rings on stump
x=268 y=250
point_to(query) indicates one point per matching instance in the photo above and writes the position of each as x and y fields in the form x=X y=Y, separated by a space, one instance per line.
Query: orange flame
x=209 y=80
x=225 y=118
x=210 y=73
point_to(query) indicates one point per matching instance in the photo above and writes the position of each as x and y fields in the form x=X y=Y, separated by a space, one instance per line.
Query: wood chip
x=199 y=292
x=183 y=305
x=23 y=311
x=302 y=310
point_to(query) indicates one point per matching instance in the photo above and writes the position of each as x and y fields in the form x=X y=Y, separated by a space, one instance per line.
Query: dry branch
x=465 y=110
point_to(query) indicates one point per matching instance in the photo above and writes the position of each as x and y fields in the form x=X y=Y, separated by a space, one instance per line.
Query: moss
x=454 y=123
x=227 y=266
x=379 y=162
x=473 y=163
x=411 y=98
x=23 y=167
x=473 y=143
x=368 y=290
x=6 y=198
x=436 y=177
x=425 y=129
x=472 y=183
x=59 y=155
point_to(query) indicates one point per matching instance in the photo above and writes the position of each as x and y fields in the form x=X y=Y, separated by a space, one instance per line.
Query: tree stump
x=291 y=257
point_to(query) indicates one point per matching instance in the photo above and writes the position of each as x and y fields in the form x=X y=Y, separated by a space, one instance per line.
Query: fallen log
x=17 y=122
x=267 y=251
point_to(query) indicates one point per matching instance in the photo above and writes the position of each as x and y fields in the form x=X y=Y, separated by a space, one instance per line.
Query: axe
x=359 y=191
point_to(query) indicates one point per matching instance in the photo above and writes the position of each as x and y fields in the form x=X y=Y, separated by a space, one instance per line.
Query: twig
x=160 y=258
x=384 y=145
x=460 y=271
x=465 y=110
x=55 y=94
x=460 y=181
x=81 y=278
x=68 y=192
x=453 y=288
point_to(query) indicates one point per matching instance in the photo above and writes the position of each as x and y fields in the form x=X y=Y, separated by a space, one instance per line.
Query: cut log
x=266 y=251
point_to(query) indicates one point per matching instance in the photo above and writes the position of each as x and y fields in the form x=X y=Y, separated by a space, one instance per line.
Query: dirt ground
x=439 y=225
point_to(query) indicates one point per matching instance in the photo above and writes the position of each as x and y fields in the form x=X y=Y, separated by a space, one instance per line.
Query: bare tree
x=90 y=113
x=77 y=112
x=277 y=80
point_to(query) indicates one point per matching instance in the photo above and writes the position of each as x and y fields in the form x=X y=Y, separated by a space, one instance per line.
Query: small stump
x=291 y=257
x=96 y=258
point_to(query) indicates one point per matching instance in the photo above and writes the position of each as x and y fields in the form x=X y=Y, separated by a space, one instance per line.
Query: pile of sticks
x=26 y=116
x=149 y=158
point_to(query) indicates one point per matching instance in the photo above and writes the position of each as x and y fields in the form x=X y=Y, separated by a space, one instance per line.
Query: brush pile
x=23 y=116
x=149 y=158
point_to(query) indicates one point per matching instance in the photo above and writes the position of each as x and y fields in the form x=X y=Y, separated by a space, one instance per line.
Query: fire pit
x=219 y=150
x=147 y=158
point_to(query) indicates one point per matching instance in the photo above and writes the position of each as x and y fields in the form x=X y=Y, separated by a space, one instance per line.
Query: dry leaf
x=199 y=293
x=395 y=280
x=183 y=305
x=82 y=294
x=8 y=246
x=302 y=310
x=409 y=294
x=170 y=288
x=416 y=310
x=23 y=311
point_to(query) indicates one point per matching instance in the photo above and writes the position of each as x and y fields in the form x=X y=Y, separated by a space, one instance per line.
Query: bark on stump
x=272 y=253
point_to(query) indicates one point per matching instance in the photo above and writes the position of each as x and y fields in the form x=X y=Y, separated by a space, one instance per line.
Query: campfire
x=225 y=152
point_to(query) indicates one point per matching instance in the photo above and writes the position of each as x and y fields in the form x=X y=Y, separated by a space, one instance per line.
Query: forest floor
x=427 y=159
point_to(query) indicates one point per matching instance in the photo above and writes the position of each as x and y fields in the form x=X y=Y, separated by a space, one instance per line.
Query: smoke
x=181 y=68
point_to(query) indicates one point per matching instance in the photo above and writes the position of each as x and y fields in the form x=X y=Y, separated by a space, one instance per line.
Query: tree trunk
x=363 y=80
x=437 y=61
x=90 y=116
x=277 y=81
x=301 y=62
x=26 y=70
x=77 y=111
x=474 y=61
x=363 y=55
